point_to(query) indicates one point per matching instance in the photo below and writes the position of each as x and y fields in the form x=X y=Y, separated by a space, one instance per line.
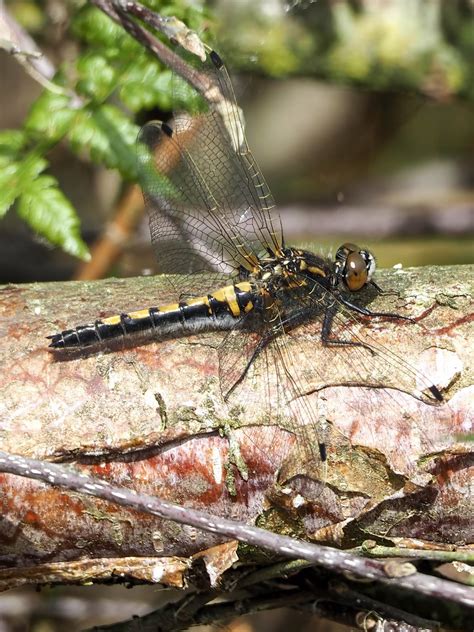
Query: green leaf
x=8 y=192
x=44 y=207
x=97 y=29
x=150 y=89
x=11 y=141
x=15 y=177
x=50 y=116
x=106 y=37
x=109 y=137
x=97 y=78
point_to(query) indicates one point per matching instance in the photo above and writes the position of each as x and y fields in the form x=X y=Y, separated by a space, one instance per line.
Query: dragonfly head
x=354 y=266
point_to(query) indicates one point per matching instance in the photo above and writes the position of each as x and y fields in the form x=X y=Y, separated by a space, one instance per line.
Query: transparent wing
x=209 y=206
x=366 y=357
x=256 y=373
x=367 y=394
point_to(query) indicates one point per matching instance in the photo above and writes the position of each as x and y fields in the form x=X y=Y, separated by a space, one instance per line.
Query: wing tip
x=436 y=393
x=323 y=452
x=216 y=59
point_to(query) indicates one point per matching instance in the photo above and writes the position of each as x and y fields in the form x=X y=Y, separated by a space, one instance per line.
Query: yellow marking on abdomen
x=142 y=313
x=116 y=319
x=227 y=295
x=111 y=320
x=200 y=300
x=138 y=315
x=172 y=307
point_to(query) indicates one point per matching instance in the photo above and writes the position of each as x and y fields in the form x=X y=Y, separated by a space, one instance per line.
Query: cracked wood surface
x=150 y=416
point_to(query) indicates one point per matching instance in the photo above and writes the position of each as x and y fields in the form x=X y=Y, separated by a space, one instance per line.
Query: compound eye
x=345 y=250
x=348 y=247
x=355 y=273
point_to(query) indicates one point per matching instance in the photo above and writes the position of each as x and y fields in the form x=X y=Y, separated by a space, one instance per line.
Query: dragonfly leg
x=367 y=312
x=337 y=342
x=383 y=292
x=256 y=352
x=287 y=323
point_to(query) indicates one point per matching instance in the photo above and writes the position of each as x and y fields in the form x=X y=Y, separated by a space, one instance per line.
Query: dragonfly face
x=354 y=266
x=211 y=211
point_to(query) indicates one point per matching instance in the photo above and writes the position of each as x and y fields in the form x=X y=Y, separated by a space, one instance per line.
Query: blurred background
x=360 y=114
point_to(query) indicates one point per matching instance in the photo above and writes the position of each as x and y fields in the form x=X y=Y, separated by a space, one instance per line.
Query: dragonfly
x=213 y=219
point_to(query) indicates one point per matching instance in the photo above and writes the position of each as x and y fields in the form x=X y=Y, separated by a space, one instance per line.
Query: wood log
x=150 y=416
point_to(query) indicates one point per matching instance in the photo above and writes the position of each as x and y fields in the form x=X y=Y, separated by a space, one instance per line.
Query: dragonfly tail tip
x=57 y=341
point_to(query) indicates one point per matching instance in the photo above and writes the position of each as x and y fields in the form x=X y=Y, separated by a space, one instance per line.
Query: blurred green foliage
x=427 y=47
x=110 y=80
x=404 y=45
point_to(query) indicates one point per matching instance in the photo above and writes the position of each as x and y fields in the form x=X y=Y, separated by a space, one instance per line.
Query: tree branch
x=340 y=561
x=149 y=417
x=16 y=41
x=120 y=12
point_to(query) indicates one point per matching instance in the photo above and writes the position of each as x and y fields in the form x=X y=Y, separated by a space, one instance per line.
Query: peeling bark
x=151 y=417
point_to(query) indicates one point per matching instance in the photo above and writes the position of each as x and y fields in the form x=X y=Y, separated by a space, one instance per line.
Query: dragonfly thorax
x=291 y=267
x=352 y=269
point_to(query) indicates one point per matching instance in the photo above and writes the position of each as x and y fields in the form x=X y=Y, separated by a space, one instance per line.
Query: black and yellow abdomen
x=218 y=310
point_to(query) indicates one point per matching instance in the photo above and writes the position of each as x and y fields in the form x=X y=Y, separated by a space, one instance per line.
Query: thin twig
x=109 y=245
x=421 y=554
x=175 y=30
x=198 y=80
x=367 y=603
x=336 y=592
x=170 y=618
x=16 y=41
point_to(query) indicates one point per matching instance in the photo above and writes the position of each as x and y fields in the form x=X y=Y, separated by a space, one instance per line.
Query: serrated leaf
x=50 y=116
x=97 y=78
x=15 y=177
x=11 y=141
x=104 y=36
x=50 y=214
x=8 y=192
x=97 y=29
x=149 y=90
x=109 y=137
